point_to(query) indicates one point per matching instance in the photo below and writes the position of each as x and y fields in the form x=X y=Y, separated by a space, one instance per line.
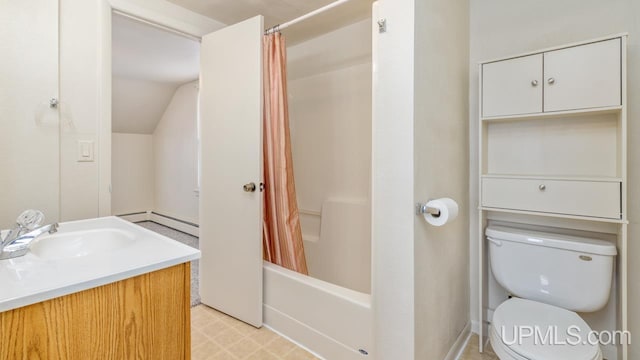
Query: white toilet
x=550 y=277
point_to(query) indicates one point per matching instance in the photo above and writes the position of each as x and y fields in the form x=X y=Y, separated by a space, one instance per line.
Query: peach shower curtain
x=282 y=236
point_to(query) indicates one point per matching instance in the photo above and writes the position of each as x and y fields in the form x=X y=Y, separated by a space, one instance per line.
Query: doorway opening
x=155 y=139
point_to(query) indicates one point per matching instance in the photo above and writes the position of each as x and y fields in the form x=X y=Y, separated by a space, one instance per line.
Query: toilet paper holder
x=422 y=209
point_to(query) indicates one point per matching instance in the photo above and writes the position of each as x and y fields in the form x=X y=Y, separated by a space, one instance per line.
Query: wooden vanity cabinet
x=143 y=317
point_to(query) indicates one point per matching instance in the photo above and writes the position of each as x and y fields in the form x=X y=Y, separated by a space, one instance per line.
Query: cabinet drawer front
x=583 y=77
x=582 y=198
x=512 y=87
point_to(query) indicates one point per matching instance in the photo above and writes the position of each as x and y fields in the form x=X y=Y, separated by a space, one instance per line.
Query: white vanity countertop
x=90 y=257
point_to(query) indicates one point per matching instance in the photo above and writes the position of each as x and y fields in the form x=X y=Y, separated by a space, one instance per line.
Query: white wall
x=441 y=170
x=85 y=91
x=80 y=111
x=137 y=105
x=502 y=28
x=329 y=87
x=158 y=171
x=175 y=155
x=132 y=173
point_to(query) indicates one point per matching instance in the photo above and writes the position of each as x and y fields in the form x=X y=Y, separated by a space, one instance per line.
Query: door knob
x=551 y=81
x=534 y=83
x=250 y=187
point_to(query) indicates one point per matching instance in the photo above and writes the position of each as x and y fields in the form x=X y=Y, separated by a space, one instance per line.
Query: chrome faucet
x=16 y=242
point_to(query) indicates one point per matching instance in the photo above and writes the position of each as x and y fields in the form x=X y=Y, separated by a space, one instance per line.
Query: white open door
x=231 y=157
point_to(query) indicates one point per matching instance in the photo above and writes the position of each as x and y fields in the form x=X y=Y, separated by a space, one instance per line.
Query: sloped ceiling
x=148 y=65
x=280 y=11
x=138 y=105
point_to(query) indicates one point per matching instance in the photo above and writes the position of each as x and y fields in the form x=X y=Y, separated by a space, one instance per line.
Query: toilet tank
x=571 y=272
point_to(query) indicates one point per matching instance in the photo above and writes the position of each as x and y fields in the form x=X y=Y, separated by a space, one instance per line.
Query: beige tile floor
x=471 y=351
x=215 y=335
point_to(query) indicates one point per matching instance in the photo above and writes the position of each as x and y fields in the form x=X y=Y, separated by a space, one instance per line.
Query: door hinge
x=382 y=26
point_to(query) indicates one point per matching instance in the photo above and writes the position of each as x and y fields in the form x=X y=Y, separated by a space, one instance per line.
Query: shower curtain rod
x=304 y=17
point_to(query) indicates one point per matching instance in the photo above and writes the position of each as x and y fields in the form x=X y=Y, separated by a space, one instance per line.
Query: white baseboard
x=460 y=344
x=475 y=328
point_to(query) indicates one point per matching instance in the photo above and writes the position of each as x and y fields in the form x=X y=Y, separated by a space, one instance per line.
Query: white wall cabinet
x=513 y=86
x=578 y=77
x=553 y=156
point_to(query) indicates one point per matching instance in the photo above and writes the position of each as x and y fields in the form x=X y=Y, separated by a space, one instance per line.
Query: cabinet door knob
x=542 y=187
x=551 y=81
x=534 y=83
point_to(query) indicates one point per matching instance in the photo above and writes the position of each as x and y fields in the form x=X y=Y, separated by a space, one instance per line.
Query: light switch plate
x=85 y=151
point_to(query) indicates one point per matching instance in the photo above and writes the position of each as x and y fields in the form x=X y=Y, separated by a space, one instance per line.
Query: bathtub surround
x=329 y=93
x=282 y=237
x=330 y=109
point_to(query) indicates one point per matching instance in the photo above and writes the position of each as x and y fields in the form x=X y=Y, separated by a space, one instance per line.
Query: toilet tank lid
x=553 y=240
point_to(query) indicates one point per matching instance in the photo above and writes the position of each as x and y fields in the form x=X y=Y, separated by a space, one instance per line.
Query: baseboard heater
x=176 y=219
x=131 y=214
x=165 y=220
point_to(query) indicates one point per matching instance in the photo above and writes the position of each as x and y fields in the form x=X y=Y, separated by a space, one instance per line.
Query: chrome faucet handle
x=26 y=221
x=30 y=219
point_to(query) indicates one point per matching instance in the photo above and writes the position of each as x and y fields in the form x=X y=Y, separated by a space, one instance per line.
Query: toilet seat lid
x=557 y=333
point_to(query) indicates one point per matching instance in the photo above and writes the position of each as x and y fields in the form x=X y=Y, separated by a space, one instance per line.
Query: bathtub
x=331 y=321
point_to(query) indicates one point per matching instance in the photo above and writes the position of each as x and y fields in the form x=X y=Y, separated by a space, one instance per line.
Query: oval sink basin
x=81 y=243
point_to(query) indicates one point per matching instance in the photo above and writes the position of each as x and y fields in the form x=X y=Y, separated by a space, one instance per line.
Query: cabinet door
x=512 y=87
x=585 y=76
